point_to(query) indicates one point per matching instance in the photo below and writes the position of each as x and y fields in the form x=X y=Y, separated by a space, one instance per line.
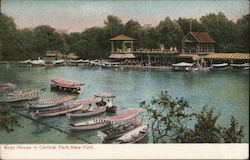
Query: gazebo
x=122 y=48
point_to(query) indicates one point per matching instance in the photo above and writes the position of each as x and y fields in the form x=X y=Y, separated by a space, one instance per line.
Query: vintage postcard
x=124 y=79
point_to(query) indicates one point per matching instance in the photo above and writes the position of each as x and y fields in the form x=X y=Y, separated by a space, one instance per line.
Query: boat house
x=198 y=42
x=195 y=46
x=122 y=50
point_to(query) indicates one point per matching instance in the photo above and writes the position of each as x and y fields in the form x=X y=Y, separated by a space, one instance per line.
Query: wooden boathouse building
x=122 y=50
x=197 y=47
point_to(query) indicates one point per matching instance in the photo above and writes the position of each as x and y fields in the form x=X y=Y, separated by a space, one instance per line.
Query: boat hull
x=115 y=133
x=142 y=134
x=65 y=88
x=73 y=128
x=96 y=111
x=50 y=113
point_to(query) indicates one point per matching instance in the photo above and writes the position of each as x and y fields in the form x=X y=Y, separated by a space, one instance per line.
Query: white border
x=125 y=151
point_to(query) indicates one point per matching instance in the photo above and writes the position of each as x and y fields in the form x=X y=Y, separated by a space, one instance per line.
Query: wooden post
x=112 y=46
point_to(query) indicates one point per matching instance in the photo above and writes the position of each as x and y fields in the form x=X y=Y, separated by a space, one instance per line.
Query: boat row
x=183 y=66
x=72 y=108
x=125 y=127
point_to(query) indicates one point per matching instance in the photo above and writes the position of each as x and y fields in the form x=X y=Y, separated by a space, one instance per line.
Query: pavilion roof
x=122 y=37
x=202 y=37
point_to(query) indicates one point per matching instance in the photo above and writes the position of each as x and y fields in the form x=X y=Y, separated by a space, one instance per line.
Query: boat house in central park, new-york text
x=197 y=47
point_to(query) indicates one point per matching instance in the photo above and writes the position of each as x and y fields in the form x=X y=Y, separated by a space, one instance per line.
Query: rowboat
x=102 y=102
x=182 y=66
x=49 y=102
x=121 y=124
x=88 y=125
x=219 y=67
x=20 y=96
x=65 y=85
x=133 y=136
x=6 y=87
x=57 y=110
x=60 y=62
x=37 y=63
x=239 y=67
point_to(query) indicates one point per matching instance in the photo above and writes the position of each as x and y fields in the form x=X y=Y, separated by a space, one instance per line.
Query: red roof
x=203 y=37
x=122 y=37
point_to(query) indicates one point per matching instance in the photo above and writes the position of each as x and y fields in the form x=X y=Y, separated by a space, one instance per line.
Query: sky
x=77 y=15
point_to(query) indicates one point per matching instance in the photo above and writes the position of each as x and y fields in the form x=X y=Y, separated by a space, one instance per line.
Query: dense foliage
x=94 y=42
x=171 y=121
x=7 y=120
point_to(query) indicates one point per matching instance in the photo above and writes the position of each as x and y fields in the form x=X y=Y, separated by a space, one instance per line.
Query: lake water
x=227 y=92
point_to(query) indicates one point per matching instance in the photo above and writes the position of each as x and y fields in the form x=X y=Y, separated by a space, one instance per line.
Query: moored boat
x=102 y=102
x=219 y=67
x=65 y=85
x=6 y=87
x=182 y=66
x=49 y=102
x=59 y=62
x=88 y=125
x=37 y=63
x=57 y=110
x=121 y=124
x=25 y=63
x=133 y=136
x=20 y=96
x=239 y=67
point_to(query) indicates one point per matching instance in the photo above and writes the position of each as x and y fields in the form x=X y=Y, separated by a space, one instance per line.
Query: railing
x=147 y=51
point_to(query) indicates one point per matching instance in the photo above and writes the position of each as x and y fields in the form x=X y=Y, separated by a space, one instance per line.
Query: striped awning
x=229 y=56
x=126 y=115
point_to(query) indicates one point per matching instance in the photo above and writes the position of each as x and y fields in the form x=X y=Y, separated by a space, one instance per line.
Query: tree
x=222 y=30
x=89 y=45
x=150 y=38
x=170 y=33
x=134 y=30
x=113 y=26
x=167 y=116
x=233 y=134
x=205 y=129
x=10 y=44
x=7 y=121
x=243 y=39
x=196 y=26
x=170 y=122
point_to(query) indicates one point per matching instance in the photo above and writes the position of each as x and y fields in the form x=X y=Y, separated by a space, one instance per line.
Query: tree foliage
x=7 y=121
x=167 y=116
x=171 y=122
x=94 y=42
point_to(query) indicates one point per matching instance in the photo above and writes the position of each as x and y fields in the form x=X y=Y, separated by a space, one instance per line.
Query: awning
x=194 y=57
x=126 y=115
x=229 y=56
x=86 y=100
x=104 y=95
x=122 y=56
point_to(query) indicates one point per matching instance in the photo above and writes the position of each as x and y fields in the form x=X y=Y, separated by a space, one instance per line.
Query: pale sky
x=77 y=15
